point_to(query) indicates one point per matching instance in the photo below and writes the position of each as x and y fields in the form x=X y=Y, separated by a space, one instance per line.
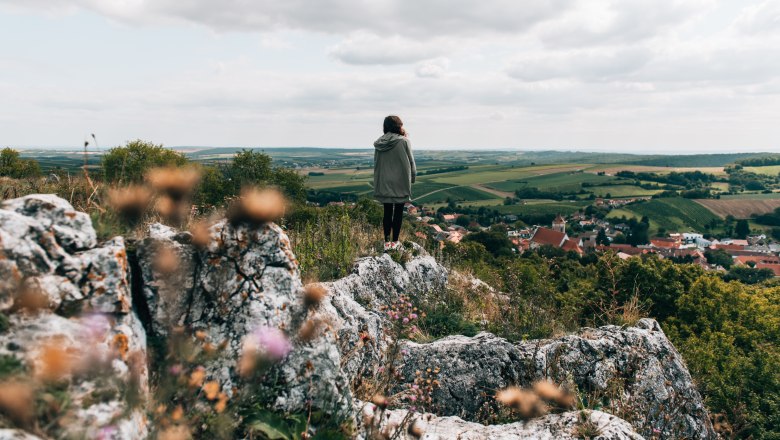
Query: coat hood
x=387 y=141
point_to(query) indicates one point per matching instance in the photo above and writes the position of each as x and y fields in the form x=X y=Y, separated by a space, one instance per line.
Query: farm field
x=545 y=208
x=740 y=208
x=456 y=194
x=772 y=170
x=617 y=191
x=555 y=182
x=670 y=214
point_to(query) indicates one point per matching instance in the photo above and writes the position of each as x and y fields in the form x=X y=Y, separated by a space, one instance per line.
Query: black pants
x=394 y=215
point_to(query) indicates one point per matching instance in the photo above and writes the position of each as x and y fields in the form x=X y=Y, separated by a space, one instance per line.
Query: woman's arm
x=411 y=160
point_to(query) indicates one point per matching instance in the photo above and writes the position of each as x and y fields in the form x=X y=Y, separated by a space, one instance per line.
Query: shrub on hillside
x=11 y=165
x=130 y=163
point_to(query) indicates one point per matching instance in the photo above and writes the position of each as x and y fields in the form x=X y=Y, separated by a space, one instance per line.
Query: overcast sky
x=624 y=75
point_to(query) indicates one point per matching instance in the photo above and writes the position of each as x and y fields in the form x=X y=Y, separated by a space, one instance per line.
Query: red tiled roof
x=664 y=243
x=773 y=267
x=571 y=245
x=763 y=259
x=545 y=236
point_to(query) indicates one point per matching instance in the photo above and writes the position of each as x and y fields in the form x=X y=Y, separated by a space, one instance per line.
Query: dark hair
x=393 y=124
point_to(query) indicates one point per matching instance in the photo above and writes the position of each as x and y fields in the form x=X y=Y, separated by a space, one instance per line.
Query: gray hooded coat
x=394 y=169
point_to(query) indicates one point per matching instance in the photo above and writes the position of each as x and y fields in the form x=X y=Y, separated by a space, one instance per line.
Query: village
x=600 y=235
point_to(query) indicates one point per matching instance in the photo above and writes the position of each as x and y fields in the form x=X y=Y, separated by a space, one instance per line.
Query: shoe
x=397 y=246
x=388 y=246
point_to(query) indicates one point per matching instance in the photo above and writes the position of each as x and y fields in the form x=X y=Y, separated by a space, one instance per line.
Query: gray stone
x=72 y=229
x=565 y=426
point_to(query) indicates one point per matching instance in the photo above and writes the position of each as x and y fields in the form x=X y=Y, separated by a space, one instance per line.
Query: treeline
x=760 y=161
x=687 y=179
x=443 y=170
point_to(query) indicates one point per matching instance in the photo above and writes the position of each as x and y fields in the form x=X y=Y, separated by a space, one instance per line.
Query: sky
x=629 y=76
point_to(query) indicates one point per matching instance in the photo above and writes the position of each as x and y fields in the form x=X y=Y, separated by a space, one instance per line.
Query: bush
x=130 y=163
x=11 y=165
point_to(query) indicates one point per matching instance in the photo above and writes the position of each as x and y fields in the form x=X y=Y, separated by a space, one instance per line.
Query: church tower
x=559 y=224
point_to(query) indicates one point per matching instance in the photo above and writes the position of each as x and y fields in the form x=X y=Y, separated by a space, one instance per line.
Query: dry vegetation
x=740 y=208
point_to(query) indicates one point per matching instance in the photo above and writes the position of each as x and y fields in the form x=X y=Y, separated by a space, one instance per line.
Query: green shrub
x=130 y=163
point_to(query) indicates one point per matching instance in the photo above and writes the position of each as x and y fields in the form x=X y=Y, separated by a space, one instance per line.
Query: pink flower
x=413 y=398
x=406 y=320
x=175 y=369
x=107 y=432
x=413 y=316
x=272 y=343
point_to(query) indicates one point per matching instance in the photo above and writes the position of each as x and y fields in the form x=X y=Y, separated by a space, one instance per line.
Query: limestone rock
x=72 y=229
x=565 y=426
x=70 y=317
x=639 y=360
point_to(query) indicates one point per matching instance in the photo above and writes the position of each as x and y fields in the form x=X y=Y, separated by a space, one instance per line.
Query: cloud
x=435 y=68
x=428 y=19
x=762 y=18
x=587 y=65
x=367 y=48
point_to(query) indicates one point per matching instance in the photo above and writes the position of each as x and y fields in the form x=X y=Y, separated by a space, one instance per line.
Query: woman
x=394 y=174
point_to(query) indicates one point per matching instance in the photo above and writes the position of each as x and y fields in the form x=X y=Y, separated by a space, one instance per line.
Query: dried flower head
x=177 y=432
x=172 y=210
x=380 y=401
x=417 y=428
x=201 y=236
x=31 y=297
x=197 y=377
x=550 y=392
x=17 y=400
x=222 y=401
x=211 y=389
x=526 y=403
x=314 y=293
x=54 y=361
x=176 y=183
x=166 y=260
x=130 y=202
x=310 y=329
x=257 y=206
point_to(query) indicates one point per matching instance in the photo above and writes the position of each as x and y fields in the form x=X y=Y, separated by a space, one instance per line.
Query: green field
x=565 y=182
x=672 y=214
x=547 y=208
x=622 y=191
x=772 y=170
x=457 y=194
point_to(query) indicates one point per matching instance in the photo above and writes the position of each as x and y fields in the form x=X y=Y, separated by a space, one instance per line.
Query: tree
x=742 y=229
x=130 y=163
x=601 y=238
x=11 y=165
x=719 y=257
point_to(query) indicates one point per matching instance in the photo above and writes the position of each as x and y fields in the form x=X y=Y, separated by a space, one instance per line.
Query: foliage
x=749 y=275
x=719 y=257
x=129 y=164
x=11 y=165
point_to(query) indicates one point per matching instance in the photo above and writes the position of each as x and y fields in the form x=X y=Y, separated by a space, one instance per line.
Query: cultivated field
x=740 y=208
x=672 y=214
x=613 y=169
x=772 y=170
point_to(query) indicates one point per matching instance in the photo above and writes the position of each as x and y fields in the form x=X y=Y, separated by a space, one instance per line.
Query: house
x=449 y=218
x=773 y=267
x=410 y=209
x=436 y=229
x=756 y=259
x=455 y=237
x=548 y=237
x=623 y=248
x=571 y=246
x=510 y=218
x=667 y=243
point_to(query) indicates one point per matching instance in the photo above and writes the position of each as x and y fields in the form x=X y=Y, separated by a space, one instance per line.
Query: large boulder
x=637 y=368
x=242 y=280
x=71 y=327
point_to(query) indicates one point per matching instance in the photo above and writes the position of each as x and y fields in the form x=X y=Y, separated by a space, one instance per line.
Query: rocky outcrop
x=635 y=366
x=70 y=322
x=595 y=425
x=241 y=280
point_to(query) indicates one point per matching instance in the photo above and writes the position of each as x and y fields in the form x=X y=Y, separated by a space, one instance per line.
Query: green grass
x=772 y=170
x=458 y=194
x=565 y=182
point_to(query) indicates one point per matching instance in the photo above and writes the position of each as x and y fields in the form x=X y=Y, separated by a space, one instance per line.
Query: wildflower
x=53 y=362
x=413 y=316
x=416 y=428
x=526 y=403
x=177 y=414
x=95 y=326
x=309 y=330
x=107 y=432
x=222 y=400
x=380 y=401
x=271 y=343
x=406 y=320
x=177 y=432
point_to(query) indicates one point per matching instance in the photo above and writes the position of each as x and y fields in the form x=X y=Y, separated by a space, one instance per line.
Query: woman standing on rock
x=394 y=174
